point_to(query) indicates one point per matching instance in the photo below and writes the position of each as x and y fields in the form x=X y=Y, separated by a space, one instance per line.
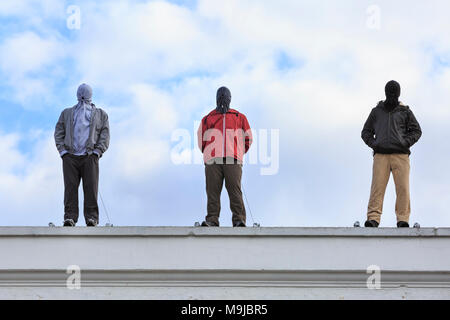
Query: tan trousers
x=383 y=164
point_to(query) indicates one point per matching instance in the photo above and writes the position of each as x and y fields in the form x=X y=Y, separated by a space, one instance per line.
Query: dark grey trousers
x=215 y=175
x=75 y=169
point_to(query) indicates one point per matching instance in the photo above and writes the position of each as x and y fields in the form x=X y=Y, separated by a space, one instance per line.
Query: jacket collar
x=214 y=112
x=400 y=105
x=92 y=105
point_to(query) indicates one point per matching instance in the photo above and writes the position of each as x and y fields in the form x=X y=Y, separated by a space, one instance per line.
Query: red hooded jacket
x=215 y=144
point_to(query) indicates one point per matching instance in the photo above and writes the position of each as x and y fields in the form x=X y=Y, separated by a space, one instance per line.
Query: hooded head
x=84 y=93
x=392 y=91
x=223 y=99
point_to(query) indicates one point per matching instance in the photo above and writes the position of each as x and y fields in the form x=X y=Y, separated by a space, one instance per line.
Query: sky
x=305 y=73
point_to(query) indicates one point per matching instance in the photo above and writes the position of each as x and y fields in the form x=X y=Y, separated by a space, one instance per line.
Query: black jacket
x=392 y=131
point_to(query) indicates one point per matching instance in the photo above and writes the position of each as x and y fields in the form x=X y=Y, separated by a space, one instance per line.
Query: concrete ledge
x=130 y=231
x=224 y=263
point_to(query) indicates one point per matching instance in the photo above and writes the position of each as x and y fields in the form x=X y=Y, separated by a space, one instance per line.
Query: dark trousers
x=76 y=168
x=232 y=174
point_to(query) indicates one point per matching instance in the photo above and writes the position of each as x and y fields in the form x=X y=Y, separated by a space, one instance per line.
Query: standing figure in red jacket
x=224 y=136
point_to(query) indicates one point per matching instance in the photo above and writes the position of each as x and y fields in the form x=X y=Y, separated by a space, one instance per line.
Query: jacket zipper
x=91 y=128
x=224 y=135
x=72 y=129
x=389 y=128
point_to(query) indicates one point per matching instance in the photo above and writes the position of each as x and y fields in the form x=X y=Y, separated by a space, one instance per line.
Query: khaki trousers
x=383 y=165
x=215 y=175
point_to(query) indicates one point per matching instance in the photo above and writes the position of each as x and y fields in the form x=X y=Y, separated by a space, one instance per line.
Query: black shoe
x=69 y=223
x=371 y=224
x=239 y=224
x=402 y=224
x=209 y=224
x=91 y=223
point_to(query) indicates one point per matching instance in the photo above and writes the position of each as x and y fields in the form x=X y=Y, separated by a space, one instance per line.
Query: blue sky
x=311 y=70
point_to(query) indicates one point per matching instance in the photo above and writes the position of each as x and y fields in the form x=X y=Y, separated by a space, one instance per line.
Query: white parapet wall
x=224 y=263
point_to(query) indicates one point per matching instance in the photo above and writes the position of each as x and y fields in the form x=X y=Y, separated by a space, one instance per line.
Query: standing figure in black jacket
x=390 y=131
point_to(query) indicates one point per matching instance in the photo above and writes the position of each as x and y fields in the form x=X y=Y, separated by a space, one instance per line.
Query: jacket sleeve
x=368 y=131
x=60 y=134
x=247 y=133
x=103 y=141
x=414 y=132
x=200 y=132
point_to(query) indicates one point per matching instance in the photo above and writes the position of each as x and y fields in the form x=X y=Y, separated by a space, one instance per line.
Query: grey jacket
x=98 y=136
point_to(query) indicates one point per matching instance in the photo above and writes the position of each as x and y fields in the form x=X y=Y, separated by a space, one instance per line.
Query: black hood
x=223 y=99
x=392 y=91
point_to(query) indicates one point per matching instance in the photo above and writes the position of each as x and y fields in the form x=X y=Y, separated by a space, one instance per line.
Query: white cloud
x=33 y=13
x=140 y=143
x=28 y=52
x=29 y=61
x=30 y=188
x=11 y=158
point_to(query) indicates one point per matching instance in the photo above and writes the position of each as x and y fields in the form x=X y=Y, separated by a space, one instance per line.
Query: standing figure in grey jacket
x=82 y=136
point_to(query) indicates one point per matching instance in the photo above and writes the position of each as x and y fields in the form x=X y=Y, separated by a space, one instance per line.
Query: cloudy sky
x=312 y=70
